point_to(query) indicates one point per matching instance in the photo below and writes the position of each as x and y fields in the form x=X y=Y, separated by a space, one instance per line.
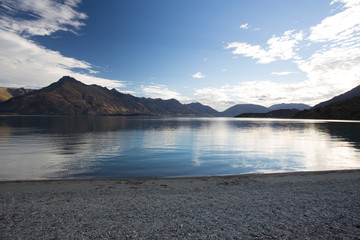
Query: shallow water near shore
x=47 y=147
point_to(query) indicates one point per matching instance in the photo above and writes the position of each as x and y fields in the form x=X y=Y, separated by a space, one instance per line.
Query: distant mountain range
x=299 y=106
x=280 y=113
x=344 y=107
x=203 y=110
x=349 y=94
x=244 y=108
x=71 y=97
x=348 y=109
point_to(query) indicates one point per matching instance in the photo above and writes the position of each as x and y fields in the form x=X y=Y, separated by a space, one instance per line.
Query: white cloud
x=277 y=48
x=343 y=26
x=161 y=91
x=264 y=93
x=282 y=73
x=214 y=97
x=244 y=26
x=198 y=75
x=128 y=92
x=335 y=70
x=329 y=72
x=42 y=17
x=254 y=51
x=333 y=67
x=24 y=62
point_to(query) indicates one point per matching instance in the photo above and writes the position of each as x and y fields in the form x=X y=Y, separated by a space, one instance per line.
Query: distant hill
x=350 y=94
x=243 y=108
x=203 y=110
x=281 y=113
x=348 y=109
x=7 y=93
x=163 y=107
x=71 y=97
x=299 y=106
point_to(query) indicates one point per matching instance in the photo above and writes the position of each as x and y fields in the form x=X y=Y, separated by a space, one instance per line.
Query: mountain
x=71 y=97
x=348 y=109
x=350 y=94
x=203 y=110
x=280 y=113
x=7 y=93
x=299 y=106
x=164 y=107
x=243 y=108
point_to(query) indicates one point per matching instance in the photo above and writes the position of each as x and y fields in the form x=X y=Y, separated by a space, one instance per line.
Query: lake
x=53 y=147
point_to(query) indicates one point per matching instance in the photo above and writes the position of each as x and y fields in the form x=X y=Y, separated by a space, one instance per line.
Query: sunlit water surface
x=116 y=147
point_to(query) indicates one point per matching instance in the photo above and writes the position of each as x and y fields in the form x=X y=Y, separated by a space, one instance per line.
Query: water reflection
x=83 y=147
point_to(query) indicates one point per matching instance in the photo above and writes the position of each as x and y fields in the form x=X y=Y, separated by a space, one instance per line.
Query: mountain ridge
x=349 y=94
x=348 y=109
x=69 y=96
x=280 y=106
x=204 y=110
x=280 y=113
x=243 y=108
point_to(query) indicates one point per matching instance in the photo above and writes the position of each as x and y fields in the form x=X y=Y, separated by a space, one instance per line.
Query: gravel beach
x=304 y=205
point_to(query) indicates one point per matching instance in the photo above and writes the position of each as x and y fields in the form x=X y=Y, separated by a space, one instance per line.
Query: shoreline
x=184 y=177
x=305 y=205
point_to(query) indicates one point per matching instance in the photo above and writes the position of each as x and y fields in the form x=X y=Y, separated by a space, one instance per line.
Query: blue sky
x=219 y=53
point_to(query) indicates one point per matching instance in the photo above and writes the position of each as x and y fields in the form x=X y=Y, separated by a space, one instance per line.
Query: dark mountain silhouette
x=350 y=94
x=243 y=108
x=7 y=93
x=299 y=106
x=203 y=110
x=71 y=97
x=348 y=109
x=345 y=106
x=281 y=113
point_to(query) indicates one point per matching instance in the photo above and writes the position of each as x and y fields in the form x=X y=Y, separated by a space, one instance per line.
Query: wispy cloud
x=33 y=17
x=277 y=48
x=24 y=62
x=332 y=68
x=341 y=27
x=259 y=92
x=282 y=73
x=335 y=67
x=244 y=26
x=198 y=75
x=162 y=91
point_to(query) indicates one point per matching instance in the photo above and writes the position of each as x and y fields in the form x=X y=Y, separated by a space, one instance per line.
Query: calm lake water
x=112 y=147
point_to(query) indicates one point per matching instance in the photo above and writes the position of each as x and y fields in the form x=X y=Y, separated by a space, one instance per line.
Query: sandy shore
x=308 y=205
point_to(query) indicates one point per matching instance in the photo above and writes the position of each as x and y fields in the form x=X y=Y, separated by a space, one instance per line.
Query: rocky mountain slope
x=7 y=93
x=71 y=97
x=243 y=108
x=348 y=109
x=349 y=94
